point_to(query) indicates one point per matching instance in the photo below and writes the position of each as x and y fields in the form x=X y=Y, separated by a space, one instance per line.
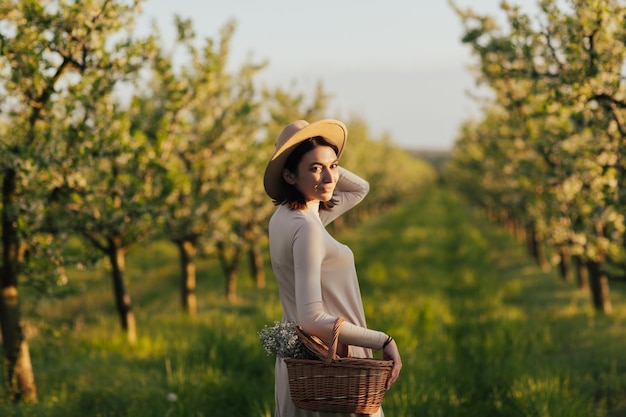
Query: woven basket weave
x=333 y=384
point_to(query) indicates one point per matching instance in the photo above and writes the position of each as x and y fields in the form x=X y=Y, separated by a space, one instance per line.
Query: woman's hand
x=391 y=352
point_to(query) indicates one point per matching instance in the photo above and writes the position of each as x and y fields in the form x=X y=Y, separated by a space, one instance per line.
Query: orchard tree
x=46 y=49
x=204 y=121
x=114 y=203
x=568 y=63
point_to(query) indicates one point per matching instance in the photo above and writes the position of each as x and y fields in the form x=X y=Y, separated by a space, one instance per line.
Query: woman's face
x=317 y=175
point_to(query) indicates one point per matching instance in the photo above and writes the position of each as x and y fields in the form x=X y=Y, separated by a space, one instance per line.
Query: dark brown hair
x=291 y=196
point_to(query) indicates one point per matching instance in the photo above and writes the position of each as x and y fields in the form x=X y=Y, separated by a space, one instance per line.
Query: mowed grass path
x=482 y=331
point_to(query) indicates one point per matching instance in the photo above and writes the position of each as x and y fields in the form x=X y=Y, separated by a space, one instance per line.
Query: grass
x=482 y=331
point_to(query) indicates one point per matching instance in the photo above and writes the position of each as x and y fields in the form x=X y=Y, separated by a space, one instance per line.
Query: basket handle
x=332 y=351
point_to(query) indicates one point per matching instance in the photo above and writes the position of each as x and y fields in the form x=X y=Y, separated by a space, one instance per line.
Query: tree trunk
x=529 y=240
x=582 y=273
x=518 y=231
x=503 y=217
x=509 y=224
x=256 y=265
x=19 y=375
x=599 y=288
x=230 y=269
x=537 y=249
x=122 y=298
x=565 y=265
x=231 y=285
x=542 y=259
x=188 y=298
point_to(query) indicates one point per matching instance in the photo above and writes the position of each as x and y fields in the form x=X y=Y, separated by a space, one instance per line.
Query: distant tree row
x=547 y=156
x=107 y=137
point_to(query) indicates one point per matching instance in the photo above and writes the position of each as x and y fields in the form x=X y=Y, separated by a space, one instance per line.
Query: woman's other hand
x=390 y=352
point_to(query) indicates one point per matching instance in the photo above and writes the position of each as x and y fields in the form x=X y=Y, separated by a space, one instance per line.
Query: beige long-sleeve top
x=318 y=281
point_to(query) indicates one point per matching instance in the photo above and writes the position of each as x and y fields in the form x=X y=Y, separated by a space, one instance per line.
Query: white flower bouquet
x=281 y=340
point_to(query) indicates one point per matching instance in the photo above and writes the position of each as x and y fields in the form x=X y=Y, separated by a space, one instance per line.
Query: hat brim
x=332 y=130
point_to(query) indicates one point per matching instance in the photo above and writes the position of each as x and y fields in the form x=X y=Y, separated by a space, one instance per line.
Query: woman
x=316 y=274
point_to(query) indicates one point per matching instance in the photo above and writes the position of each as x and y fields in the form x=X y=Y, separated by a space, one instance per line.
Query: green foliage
x=59 y=64
x=202 y=121
x=547 y=150
x=52 y=58
x=481 y=329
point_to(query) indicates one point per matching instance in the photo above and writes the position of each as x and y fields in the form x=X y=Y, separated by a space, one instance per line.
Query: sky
x=398 y=64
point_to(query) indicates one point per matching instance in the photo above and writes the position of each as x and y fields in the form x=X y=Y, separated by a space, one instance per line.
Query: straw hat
x=332 y=130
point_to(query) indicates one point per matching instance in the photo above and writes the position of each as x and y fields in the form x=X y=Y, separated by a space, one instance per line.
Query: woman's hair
x=292 y=197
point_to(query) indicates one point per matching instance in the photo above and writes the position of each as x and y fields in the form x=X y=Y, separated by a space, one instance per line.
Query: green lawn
x=482 y=331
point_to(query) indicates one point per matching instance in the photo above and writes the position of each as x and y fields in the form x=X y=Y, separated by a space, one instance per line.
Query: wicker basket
x=333 y=384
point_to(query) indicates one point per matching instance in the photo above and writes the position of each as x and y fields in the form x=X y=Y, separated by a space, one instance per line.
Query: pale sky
x=398 y=64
